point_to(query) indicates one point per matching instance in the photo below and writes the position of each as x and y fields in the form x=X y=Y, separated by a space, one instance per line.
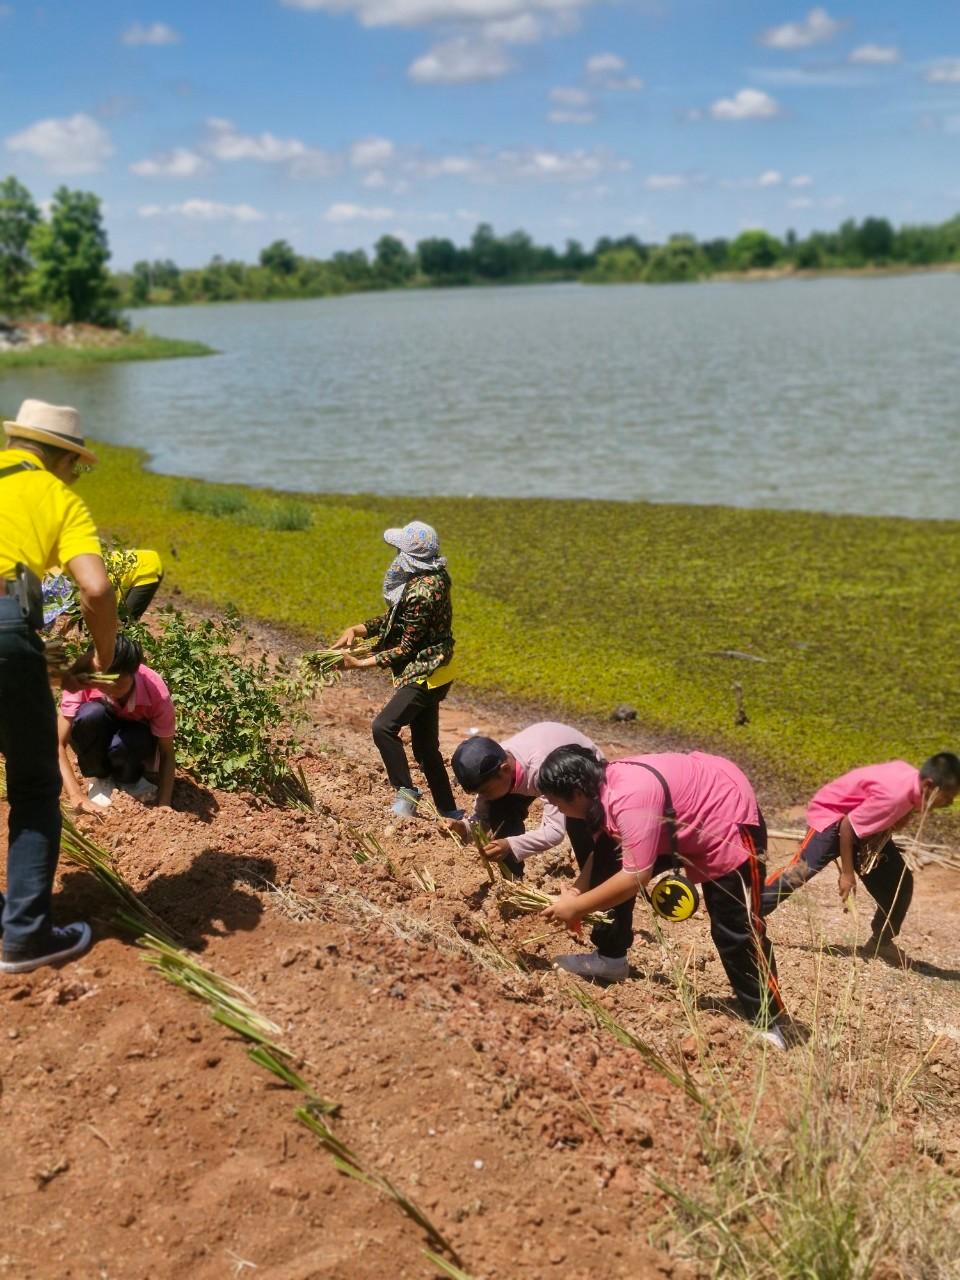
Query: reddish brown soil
x=141 y=1142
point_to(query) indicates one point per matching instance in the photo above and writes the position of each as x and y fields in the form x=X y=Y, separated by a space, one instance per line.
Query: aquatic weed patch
x=843 y=624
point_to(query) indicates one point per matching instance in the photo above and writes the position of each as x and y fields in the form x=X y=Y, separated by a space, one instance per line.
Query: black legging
x=419 y=707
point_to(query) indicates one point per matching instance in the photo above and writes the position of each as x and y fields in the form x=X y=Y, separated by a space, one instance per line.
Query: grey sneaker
x=406 y=803
x=596 y=966
x=64 y=944
x=773 y=1036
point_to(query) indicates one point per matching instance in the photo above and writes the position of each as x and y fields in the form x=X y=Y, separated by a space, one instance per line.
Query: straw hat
x=54 y=424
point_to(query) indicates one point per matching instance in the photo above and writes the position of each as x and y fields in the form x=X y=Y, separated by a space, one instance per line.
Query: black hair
x=127 y=657
x=943 y=770
x=573 y=768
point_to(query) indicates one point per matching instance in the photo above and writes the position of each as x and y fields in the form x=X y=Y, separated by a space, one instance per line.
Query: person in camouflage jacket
x=414 y=638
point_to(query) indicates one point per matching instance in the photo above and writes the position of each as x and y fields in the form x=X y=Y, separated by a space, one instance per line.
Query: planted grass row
x=579 y=606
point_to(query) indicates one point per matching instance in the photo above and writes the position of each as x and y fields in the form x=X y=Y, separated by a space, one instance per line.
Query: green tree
x=18 y=218
x=280 y=258
x=617 y=266
x=755 y=249
x=70 y=255
x=441 y=260
x=676 y=262
x=393 y=261
x=875 y=239
x=141 y=282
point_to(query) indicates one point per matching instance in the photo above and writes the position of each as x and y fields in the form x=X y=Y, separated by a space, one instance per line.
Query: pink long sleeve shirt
x=875 y=798
x=712 y=799
x=530 y=747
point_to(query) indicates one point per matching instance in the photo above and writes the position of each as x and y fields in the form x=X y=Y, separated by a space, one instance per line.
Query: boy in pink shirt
x=505 y=777
x=699 y=810
x=853 y=819
x=118 y=729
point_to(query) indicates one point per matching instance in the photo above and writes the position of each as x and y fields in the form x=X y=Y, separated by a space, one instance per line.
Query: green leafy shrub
x=231 y=705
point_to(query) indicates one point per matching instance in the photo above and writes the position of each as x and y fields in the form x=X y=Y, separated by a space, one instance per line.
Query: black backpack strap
x=18 y=466
x=669 y=813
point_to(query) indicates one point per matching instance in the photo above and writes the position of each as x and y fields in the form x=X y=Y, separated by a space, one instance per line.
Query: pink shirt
x=149 y=700
x=530 y=747
x=874 y=798
x=712 y=800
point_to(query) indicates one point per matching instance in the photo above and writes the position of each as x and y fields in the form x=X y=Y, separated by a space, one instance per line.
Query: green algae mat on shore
x=839 y=630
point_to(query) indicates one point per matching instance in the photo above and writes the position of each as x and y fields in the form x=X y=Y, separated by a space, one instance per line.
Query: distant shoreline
x=41 y=345
x=753 y=276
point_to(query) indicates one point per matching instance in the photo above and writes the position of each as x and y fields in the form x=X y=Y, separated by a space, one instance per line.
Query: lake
x=831 y=395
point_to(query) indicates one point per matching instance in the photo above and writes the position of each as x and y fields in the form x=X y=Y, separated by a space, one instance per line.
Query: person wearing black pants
x=889 y=881
x=413 y=638
x=418 y=706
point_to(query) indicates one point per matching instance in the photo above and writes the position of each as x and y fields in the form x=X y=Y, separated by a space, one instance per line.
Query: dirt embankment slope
x=141 y=1142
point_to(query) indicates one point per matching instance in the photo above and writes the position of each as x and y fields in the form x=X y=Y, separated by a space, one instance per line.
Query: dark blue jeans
x=108 y=746
x=28 y=741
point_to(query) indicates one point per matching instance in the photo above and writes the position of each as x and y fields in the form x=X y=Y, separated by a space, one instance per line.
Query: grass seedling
x=367 y=848
x=278 y=1065
x=446 y=1267
x=321 y=668
x=524 y=898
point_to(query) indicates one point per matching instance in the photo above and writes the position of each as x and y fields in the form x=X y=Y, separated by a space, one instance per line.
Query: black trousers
x=890 y=883
x=138 y=599
x=419 y=707
x=108 y=746
x=28 y=742
x=508 y=816
x=733 y=903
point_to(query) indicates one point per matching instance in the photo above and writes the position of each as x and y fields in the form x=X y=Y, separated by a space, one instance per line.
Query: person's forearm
x=847 y=837
x=165 y=780
x=548 y=835
x=99 y=610
x=70 y=785
x=619 y=888
x=582 y=883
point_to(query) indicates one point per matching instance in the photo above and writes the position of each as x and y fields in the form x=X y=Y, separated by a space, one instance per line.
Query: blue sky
x=219 y=125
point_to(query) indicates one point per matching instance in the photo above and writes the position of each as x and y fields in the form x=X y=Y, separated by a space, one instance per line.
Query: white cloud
x=542 y=165
x=825 y=77
x=374 y=180
x=442 y=166
x=605 y=64
x=875 y=54
x=800 y=202
x=565 y=97
x=947 y=71
x=563 y=115
x=417 y=13
x=72 y=144
x=179 y=163
x=816 y=28
x=747 y=104
x=604 y=70
x=357 y=213
x=203 y=211
x=523 y=29
x=770 y=178
x=461 y=60
x=157 y=33
x=369 y=153
x=833 y=202
x=801 y=180
x=226 y=144
x=667 y=181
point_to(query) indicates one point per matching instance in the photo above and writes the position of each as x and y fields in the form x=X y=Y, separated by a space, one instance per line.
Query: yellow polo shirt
x=42 y=521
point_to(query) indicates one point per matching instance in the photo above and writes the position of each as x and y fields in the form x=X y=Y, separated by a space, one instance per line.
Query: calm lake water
x=830 y=395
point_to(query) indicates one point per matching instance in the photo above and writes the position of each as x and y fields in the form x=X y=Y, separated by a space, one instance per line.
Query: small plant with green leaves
x=232 y=704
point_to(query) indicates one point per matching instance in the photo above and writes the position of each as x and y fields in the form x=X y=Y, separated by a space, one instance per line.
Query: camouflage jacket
x=416 y=637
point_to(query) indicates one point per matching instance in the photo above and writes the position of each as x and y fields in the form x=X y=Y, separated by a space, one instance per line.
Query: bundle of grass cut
x=524 y=898
x=86 y=853
x=322 y=667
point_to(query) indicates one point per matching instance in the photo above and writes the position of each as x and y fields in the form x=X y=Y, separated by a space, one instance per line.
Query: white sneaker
x=594 y=965
x=406 y=803
x=100 y=792
x=142 y=789
x=773 y=1036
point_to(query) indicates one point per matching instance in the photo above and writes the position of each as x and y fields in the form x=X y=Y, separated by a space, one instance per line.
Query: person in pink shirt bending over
x=853 y=819
x=506 y=780
x=117 y=730
x=699 y=809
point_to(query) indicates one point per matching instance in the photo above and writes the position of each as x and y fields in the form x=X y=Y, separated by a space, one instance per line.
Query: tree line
x=57 y=264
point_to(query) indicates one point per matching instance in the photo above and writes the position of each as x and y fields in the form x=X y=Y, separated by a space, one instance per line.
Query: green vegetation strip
x=140 y=346
x=846 y=622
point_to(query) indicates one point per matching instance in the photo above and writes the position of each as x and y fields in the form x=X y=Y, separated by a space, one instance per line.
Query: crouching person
x=851 y=821
x=505 y=777
x=700 y=809
x=119 y=730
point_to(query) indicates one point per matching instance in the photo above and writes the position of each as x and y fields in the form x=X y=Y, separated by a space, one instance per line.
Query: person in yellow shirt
x=42 y=523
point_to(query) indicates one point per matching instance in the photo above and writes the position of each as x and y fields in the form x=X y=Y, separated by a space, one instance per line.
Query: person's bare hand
x=846 y=885
x=495 y=850
x=83 y=805
x=345 y=640
x=460 y=829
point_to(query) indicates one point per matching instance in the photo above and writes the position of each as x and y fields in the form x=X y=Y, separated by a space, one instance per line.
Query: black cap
x=476 y=760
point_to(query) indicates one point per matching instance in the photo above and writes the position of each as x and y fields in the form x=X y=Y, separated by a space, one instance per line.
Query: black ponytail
x=573 y=768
